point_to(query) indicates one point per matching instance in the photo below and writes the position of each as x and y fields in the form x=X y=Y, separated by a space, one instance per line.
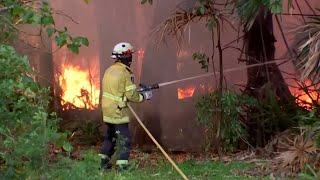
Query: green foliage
x=26 y=128
x=87 y=1
x=39 y=14
x=212 y=23
x=269 y=117
x=65 y=168
x=309 y=174
x=202 y=59
x=247 y=11
x=275 y=6
x=88 y=168
x=234 y=107
x=146 y=1
x=270 y=113
x=310 y=121
x=90 y=134
x=314 y=133
x=308 y=118
x=203 y=5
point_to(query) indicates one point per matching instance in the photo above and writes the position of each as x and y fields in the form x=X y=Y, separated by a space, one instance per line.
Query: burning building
x=170 y=115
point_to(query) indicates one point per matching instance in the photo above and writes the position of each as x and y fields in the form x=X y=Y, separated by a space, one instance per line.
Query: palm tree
x=256 y=18
x=259 y=42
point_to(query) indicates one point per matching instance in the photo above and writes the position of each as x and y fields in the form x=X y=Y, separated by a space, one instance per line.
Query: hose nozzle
x=147 y=88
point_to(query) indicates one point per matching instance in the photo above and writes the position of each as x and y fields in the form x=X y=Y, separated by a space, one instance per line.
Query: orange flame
x=183 y=54
x=206 y=88
x=140 y=52
x=78 y=89
x=139 y=63
x=304 y=99
x=184 y=93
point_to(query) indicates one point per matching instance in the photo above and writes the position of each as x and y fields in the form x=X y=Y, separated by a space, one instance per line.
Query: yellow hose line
x=158 y=145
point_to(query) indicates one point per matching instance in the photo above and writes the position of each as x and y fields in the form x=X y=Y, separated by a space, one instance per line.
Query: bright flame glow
x=184 y=93
x=140 y=52
x=138 y=65
x=304 y=99
x=78 y=89
x=183 y=54
x=206 y=88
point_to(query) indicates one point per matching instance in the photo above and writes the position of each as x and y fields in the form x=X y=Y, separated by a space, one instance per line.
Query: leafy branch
x=146 y=1
x=202 y=59
x=37 y=13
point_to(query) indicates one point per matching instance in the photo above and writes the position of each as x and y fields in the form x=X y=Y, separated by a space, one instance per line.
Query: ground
x=152 y=166
x=193 y=169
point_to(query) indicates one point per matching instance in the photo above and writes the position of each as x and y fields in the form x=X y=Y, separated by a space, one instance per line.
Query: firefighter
x=118 y=88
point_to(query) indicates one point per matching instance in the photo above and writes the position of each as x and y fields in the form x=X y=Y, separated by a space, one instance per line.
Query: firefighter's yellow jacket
x=117 y=89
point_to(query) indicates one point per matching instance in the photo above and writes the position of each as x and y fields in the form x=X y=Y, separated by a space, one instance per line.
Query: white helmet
x=122 y=49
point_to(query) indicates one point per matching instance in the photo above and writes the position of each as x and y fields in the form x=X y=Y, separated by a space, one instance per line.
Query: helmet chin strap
x=126 y=60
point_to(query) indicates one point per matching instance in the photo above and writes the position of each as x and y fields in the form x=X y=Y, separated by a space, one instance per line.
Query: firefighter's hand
x=147 y=95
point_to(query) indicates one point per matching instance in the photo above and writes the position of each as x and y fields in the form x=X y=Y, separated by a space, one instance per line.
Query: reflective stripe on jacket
x=117 y=89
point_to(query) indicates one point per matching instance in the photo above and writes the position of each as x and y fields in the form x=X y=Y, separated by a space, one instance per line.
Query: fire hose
x=157 y=86
x=157 y=144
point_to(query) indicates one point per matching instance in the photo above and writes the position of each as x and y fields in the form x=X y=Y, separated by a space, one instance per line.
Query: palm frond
x=295 y=154
x=246 y=11
x=179 y=21
x=308 y=59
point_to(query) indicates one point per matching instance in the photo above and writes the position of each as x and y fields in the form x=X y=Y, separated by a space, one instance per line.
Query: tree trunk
x=266 y=79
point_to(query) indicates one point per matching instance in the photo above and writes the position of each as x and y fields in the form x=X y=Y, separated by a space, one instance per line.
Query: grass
x=87 y=168
x=193 y=169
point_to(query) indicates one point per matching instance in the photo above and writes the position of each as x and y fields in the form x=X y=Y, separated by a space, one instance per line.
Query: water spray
x=157 y=86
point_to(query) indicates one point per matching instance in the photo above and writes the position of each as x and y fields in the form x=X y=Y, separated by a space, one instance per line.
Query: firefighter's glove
x=146 y=95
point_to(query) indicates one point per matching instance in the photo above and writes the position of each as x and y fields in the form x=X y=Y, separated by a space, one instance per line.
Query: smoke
x=107 y=23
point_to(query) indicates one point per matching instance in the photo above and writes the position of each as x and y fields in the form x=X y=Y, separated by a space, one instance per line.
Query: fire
x=183 y=54
x=138 y=64
x=184 y=93
x=306 y=99
x=140 y=52
x=206 y=88
x=78 y=88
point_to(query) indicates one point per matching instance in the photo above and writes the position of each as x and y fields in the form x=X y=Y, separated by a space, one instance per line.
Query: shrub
x=234 y=107
x=26 y=128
